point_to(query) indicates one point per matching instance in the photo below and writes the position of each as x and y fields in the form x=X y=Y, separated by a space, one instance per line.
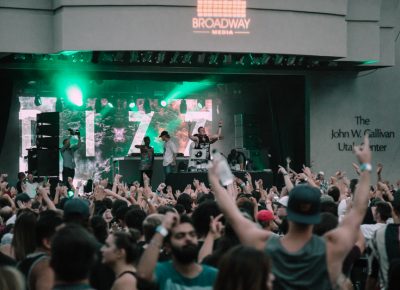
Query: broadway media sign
x=219 y=17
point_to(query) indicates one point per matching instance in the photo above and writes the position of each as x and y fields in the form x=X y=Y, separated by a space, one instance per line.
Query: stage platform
x=128 y=167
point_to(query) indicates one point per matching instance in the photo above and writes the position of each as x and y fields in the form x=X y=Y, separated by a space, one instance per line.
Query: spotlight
x=265 y=58
x=74 y=95
x=183 y=107
x=187 y=58
x=241 y=60
x=278 y=59
x=147 y=57
x=38 y=101
x=175 y=58
x=227 y=59
x=110 y=105
x=291 y=60
x=201 y=58
x=132 y=103
x=213 y=58
x=252 y=59
x=160 y=57
x=163 y=103
x=134 y=57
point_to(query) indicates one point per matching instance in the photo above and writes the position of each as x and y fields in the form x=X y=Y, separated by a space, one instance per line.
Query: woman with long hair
x=243 y=268
x=24 y=238
x=120 y=252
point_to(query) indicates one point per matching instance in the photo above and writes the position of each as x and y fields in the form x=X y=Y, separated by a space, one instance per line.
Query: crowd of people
x=309 y=234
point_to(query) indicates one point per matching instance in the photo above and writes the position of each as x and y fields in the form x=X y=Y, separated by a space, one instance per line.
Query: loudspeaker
x=43 y=162
x=48 y=130
x=48 y=162
x=247 y=131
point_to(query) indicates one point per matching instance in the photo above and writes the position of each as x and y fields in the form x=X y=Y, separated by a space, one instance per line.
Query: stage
x=128 y=167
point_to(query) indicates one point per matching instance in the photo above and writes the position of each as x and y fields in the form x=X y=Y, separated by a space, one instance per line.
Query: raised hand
x=356 y=168
x=216 y=226
x=170 y=220
x=363 y=152
x=379 y=168
x=247 y=176
x=282 y=170
x=307 y=171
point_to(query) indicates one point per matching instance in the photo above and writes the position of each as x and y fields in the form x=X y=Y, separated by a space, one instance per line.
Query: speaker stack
x=248 y=140
x=44 y=159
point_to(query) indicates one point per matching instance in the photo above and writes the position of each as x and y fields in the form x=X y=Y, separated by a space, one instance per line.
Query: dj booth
x=128 y=167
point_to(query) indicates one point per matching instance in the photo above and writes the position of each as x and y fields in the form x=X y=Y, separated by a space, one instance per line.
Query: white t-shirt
x=169 y=151
x=31 y=189
x=368 y=230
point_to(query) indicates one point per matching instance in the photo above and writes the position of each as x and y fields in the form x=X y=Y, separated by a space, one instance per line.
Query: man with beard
x=183 y=271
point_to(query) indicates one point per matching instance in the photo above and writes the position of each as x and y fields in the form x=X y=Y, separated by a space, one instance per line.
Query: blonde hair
x=11 y=279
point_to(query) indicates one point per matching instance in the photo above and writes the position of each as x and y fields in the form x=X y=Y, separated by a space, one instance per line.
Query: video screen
x=111 y=126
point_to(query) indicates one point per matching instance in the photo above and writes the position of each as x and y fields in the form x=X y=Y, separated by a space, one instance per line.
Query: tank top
x=304 y=269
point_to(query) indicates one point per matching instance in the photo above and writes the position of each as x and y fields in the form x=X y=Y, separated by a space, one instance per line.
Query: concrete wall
x=340 y=29
x=336 y=99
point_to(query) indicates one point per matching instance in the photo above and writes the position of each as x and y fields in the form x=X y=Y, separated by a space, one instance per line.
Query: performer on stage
x=146 y=159
x=170 y=151
x=67 y=153
x=202 y=140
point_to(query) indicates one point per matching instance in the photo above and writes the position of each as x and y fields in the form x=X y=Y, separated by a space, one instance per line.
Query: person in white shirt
x=170 y=151
x=382 y=212
x=30 y=186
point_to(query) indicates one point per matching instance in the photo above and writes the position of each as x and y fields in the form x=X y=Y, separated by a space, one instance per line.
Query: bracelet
x=366 y=167
x=285 y=174
x=242 y=185
x=162 y=231
x=219 y=126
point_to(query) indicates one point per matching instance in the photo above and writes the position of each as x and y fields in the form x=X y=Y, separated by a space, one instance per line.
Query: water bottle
x=223 y=171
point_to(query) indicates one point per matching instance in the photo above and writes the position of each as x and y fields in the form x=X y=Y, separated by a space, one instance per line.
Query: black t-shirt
x=204 y=143
x=19 y=187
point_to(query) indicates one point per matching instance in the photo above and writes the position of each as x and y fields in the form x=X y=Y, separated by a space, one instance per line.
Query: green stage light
x=70 y=193
x=132 y=105
x=110 y=105
x=163 y=103
x=74 y=95
x=371 y=61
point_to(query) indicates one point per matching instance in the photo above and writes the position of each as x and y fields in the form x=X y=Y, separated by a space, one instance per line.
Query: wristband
x=242 y=185
x=162 y=231
x=366 y=167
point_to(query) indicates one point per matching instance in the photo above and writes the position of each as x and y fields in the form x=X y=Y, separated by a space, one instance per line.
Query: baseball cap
x=163 y=133
x=265 y=215
x=304 y=205
x=76 y=206
x=283 y=201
